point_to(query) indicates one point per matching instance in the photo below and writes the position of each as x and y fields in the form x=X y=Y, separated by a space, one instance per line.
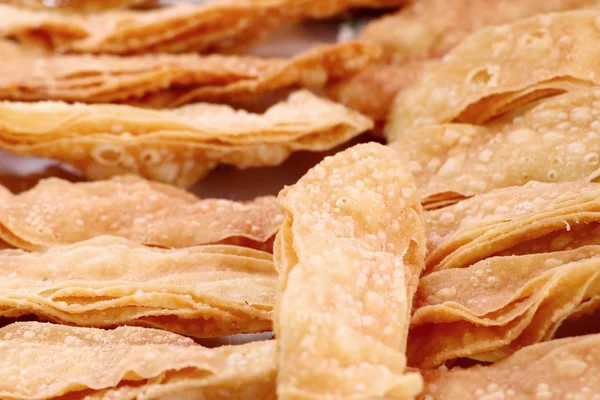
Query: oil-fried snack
x=498 y=305
x=498 y=69
x=58 y=212
x=498 y=221
x=79 y=5
x=558 y=140
x=203 y=291
x=349 y=255
x=176 y=146
x=168 y=80
x=559 y=369
x=426 y=30
x=43 y=361
x=373 y=89
x=217 y=26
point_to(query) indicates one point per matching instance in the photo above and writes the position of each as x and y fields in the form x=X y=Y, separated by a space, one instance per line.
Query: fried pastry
x=422 y=31
x=217 y=26
x=47 y=361
x=559 y=369
x=349 y=254
x=204 y=291
x=176 y=146
x=503 y=220
x=498 y=305
x=170 y=80
x=57 y=212
x=79 y=5
x=499 y=69
x=557 y=140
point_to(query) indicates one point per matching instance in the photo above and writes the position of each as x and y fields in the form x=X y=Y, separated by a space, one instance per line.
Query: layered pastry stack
x=459 y=261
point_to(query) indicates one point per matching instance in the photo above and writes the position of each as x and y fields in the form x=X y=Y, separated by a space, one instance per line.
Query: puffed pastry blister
x=349 y=255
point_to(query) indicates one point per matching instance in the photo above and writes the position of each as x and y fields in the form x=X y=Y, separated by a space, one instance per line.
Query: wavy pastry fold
x=564 y=369
x=515 y=220
x=555 y=140
x=171 y=80
x=177 y=146
x=57 y=212
x=349 y=255
x=44 y=361
x=203 y=291
x=498 y=69
x=501 y=304
x=213 y=27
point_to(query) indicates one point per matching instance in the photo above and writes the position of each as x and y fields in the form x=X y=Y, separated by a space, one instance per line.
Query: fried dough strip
x=422 y=31
x=176 y=146
x=79 y=5
x=559 y=369
x=218 y=26
x=498 y=305
x=498 y=69
x=349 y=255
x=169 y=80
x=204 y=291
x=58 y=212
x=501 y=220
x=41 y=360
x=558 y=140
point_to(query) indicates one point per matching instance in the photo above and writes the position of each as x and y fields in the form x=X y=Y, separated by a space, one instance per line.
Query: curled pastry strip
x=57 y=212
x=349 y=255
x=562 y=369
x=128 y=363
x=557 y=140
x=170 y=80
x=176 y=146
x=511 y=221
x=217 y=26
x=79 y=5
x=204 y=291
x=420 y=33
x=498 y=305
x=497 y=69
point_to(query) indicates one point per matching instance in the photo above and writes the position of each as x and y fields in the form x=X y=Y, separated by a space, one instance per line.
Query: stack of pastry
x=459 y=261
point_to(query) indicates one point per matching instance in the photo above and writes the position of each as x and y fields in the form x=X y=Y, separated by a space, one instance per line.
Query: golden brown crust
x=424 y=31
x=107 y=281
x=177 y=146
x=498 y=69
x=349 y=255
x=556 y=140
x=493 y=308
x=565 y=368
x=58 y=212
x=504 y=219
x=168 y=80
x=79 y=5
x=218 y=26
x=129 y=363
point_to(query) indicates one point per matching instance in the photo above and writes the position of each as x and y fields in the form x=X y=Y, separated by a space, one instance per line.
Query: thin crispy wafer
x=176 y=146
x=203 y=291
x=426 y=30
x=500 y=304
x=169 y=80
x=59 y=212
x=41 y=361
x=79 y=5
x=503 y=219
x=558 y=140
x=559 y=369
x=349 y=255
x=218 y=26
x=498 y=69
